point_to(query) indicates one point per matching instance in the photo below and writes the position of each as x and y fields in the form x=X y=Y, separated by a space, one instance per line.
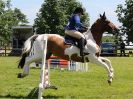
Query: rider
x=75 y=29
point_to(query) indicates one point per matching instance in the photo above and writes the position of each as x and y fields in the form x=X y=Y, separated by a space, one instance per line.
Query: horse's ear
x=100 y=16
x=104 y=16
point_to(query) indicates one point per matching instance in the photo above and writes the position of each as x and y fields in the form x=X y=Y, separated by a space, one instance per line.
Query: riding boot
x=82 y=49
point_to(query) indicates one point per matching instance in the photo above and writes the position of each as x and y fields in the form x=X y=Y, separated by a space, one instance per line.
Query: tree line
x=54 y=15
x=125 y=16
x=8 y=18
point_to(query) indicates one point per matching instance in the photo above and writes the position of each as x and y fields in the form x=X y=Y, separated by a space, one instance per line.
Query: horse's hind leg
x=32 y=58
x=26 y=68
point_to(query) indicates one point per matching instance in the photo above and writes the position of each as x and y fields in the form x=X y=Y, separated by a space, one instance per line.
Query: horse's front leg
x=111 y=73
x=108 y=62
x=99 y=61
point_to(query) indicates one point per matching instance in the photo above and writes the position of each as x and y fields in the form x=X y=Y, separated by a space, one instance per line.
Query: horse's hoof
x=54 y=87
x=20 y=75
x=109 y=82
x=51 y=87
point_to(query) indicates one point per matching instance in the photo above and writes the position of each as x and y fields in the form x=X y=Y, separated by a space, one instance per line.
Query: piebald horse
x=57 y=47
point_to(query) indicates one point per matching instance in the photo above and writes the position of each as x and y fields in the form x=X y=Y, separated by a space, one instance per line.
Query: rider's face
x=80 y=14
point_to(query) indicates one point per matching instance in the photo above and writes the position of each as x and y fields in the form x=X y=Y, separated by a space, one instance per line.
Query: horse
x=56 y=46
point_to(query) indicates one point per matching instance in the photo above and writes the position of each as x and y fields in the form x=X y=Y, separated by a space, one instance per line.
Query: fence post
x=5 y=50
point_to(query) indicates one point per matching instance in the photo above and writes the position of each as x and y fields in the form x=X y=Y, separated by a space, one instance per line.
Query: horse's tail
x=26 y=50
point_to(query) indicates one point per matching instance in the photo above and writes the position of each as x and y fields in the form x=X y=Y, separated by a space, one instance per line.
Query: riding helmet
x=79 y=10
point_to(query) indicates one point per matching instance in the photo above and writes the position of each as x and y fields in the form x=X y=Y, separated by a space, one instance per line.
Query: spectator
x=122 y=49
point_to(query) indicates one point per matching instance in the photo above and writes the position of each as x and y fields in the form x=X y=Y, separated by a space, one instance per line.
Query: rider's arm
x=78 y=24
x=77 y=21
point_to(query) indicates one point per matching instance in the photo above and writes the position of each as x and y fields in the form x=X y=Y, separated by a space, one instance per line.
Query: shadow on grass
x=32 y=95
x=12 y=97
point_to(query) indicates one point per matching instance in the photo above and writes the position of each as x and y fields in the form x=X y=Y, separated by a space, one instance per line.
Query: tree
x=8 y=18
x=54 y=15
x=109 y=38
x=125 y=16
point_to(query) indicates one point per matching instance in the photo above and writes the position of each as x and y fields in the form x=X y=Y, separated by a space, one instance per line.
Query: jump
x=56 y=45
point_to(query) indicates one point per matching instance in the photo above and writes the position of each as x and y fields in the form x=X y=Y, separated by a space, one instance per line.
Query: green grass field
x=71 y=85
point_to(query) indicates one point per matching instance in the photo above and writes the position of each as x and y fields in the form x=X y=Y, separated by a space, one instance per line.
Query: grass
x=71 y=85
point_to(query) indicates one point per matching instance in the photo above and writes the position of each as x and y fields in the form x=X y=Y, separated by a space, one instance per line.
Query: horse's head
x=100 y=26
x=103 y=25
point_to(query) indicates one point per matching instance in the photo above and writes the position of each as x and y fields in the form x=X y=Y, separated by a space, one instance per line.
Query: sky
x=93 y=7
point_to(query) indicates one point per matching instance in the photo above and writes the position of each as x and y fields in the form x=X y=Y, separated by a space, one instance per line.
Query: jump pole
x=42 y=74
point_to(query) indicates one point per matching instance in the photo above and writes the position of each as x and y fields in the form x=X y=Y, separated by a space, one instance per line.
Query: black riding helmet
x=79 y=10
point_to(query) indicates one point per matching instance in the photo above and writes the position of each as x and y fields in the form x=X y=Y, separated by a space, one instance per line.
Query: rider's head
x=79 y=10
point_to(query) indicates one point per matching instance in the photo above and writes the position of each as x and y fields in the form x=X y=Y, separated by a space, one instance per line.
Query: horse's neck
x=94 y=36
x=89 y=36
x=97 y=36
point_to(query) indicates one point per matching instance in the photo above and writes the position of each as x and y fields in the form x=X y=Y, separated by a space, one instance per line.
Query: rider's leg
x=82 y=42
x=80 y=36
x=74 y=33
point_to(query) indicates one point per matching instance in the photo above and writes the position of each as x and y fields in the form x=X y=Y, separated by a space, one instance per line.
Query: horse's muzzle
x=115 y=31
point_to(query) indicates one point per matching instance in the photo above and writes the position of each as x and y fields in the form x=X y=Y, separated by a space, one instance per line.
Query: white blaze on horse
x=57 y=47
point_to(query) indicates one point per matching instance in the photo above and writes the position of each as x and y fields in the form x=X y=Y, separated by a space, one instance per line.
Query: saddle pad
x=70 y=40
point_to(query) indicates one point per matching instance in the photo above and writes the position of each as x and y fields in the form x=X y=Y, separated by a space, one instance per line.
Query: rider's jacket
x=75 y=24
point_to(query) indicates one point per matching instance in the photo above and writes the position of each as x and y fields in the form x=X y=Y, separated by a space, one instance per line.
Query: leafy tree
x=108 y=39
x=125 y=16
x=8 y=18
x=54 y=14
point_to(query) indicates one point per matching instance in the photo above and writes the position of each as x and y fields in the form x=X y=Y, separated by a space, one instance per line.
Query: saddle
x=80 y=43
x=68 y=40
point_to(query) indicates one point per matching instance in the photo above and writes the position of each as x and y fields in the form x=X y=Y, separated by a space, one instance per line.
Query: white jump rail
x=41 y=84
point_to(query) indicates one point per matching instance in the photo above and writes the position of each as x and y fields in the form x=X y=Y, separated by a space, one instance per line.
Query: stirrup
x=82 y=56
x=82 y=59
x=84 y=53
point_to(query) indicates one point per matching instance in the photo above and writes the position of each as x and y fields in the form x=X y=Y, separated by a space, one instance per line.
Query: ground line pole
x=41 y=86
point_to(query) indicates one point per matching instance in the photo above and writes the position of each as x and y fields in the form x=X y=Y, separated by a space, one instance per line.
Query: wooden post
x=5 y=50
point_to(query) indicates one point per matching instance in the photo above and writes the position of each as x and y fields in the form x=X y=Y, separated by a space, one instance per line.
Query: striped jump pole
x=42 y=74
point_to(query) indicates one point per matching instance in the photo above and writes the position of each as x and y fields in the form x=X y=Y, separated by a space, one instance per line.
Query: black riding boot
x=82 y=42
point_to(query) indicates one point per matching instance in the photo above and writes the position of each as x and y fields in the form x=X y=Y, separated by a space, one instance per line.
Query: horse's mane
x=93 y=25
